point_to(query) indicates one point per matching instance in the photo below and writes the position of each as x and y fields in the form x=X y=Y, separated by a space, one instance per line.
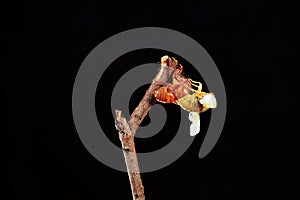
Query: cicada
x=181 y=93
x=196 y=103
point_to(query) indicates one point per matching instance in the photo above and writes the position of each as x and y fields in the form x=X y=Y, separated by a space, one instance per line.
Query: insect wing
x=194 y=117
x=209 y=100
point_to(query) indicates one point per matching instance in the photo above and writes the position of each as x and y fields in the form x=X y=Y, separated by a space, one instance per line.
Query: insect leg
x=179 y=69
x=193 y=90
x=194 y=83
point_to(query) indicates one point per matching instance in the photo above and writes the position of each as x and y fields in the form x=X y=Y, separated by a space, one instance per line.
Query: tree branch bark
x=127 y=130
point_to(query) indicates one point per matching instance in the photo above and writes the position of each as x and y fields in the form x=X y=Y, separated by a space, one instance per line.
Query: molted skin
x=169 y=93
x=181 y=86
x=164 y=95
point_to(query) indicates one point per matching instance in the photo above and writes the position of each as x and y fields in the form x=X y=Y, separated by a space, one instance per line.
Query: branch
x=128 y=130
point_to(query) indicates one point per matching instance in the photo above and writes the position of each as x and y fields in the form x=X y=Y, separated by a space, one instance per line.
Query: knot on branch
x=122 y=126
x=119 y=126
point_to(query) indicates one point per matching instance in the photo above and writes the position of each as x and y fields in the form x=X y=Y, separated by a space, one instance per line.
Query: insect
x=181 y=93
x=197 y=103
x=169 y=93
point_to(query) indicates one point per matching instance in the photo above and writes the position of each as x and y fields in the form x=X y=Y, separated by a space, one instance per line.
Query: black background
x=253 y=45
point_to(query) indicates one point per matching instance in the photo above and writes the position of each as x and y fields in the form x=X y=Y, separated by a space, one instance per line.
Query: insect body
x=196 y=103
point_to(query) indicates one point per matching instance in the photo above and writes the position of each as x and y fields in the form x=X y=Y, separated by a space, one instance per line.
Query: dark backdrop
x=253 y=45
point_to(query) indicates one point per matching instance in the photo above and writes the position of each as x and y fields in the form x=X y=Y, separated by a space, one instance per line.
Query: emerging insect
x=196 y=103
x=179 y=93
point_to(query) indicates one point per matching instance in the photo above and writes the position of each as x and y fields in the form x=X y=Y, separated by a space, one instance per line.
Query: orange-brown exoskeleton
x=165 y=95
x=170 y=93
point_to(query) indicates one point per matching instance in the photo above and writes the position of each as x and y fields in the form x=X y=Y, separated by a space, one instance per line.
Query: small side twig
x=128 y=130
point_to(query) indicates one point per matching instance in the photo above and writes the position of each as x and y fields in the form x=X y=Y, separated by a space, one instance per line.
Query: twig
x=128 y=130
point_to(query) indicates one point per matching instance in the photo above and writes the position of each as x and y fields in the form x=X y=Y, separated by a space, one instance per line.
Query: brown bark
x=128 y=130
